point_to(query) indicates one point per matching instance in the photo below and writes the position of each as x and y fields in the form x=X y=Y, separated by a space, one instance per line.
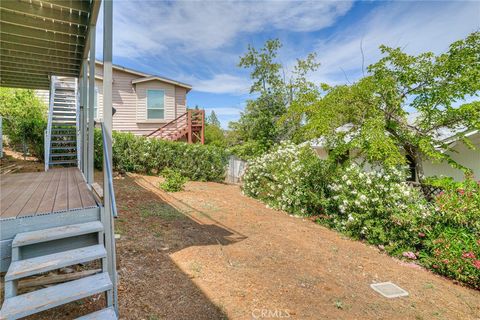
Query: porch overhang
x=39 y=39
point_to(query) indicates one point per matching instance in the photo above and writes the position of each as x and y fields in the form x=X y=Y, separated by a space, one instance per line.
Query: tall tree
x=213 y=119
x=401 y=106
x=262 y=123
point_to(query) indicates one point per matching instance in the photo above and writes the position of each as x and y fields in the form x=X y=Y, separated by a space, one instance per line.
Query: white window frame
x=146 y=105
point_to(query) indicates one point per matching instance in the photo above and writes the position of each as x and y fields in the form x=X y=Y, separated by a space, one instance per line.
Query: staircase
x=18 y=306
x=188 y=127
x=61 y=136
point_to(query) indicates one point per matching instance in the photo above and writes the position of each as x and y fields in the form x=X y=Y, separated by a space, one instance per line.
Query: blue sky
x=200 y=42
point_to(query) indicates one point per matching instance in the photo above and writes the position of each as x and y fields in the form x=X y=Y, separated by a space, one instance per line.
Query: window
x=155 y=104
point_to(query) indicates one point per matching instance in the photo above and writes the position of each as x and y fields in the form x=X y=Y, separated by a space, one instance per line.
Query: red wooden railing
x=189 y=126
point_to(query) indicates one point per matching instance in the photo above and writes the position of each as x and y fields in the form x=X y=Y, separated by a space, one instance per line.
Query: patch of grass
x=160 y=209
x=339 y=304
x=153 y=317
x=428 y=285
x=196 y=267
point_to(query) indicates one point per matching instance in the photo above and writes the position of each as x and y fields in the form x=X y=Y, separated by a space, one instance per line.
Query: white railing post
x=48 y=133
x=107 y=147
x=91 y=106
x=78 y=123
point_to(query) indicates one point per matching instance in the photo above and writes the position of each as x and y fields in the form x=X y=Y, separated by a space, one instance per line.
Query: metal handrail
x=109 y=172
x=48 y=132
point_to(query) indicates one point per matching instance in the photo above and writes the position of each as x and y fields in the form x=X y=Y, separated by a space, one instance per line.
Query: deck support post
x=84 y=103
x=112 y=299
x=91 y=107
x=189 y=126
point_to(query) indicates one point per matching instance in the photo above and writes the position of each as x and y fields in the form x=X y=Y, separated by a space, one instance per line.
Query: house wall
x=461 y=154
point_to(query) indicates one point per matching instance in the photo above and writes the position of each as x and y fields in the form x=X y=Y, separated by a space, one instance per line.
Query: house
x=143 y=102
x=460 y=153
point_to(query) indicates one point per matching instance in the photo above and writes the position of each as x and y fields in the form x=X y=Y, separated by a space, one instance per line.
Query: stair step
x=105 y=314
x=63 y=135
x=62 y=162
x=25 y=268
x=52 y=155
x=64 y=123
x=44 y=235
x=64 y=148
x=62 y=141
x=44 y=299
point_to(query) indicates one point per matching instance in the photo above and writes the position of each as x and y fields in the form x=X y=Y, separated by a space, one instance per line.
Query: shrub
x=174 y=181
x=290 y=177
x=379 y=207
x=144 y=155
x=24 y=120
x=459 y=205
x=453 y=252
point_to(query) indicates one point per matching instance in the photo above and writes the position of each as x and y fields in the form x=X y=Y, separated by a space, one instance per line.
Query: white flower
x=350 y=217
x=363 y=197
x=348 y=182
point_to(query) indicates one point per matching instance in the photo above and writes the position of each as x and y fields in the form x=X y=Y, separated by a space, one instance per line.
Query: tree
x=262 y=124
x=214 y=134
x=213 y=119
x=24 y=119
x=379 y=107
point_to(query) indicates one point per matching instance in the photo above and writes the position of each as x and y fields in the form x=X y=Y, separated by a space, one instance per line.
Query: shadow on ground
x=151 y=285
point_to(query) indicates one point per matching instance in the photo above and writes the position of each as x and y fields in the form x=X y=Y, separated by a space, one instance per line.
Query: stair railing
x=113 y=203
x=168 y=124
x=107 y=220
x=48 y=132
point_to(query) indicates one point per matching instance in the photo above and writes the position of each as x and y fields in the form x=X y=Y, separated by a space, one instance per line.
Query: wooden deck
x=30 y=194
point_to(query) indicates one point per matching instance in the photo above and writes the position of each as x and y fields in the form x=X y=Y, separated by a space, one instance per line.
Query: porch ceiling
x=43 y=38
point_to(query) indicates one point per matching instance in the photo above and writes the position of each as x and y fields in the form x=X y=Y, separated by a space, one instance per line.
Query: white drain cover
x=389 y=290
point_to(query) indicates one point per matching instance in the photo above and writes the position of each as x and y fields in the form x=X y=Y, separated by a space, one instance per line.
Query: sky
x=200 y=42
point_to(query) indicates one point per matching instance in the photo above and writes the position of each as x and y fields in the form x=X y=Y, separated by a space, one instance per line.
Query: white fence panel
x=236 y=169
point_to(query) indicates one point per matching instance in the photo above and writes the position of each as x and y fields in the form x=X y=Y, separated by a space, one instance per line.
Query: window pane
x=155 y=113
x=155 y=99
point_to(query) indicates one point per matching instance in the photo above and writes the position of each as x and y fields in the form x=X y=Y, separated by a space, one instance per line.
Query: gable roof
x=143 y=77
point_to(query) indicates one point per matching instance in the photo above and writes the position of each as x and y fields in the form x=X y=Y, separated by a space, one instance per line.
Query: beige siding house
x=143 y=102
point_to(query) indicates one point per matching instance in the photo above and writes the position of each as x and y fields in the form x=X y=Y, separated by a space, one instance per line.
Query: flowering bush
x=453 y=252
x=290 y=178
x=379 y=207
x=459 y=205
x=139 y=154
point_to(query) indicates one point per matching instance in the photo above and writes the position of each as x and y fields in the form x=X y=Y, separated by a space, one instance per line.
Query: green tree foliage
x=262 y=124
x=213 y=119
x=24 y=119
x=427 y=85
x=214 y=134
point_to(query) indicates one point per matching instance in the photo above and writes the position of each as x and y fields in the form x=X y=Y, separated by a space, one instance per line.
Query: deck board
x=35 y=200
x=61 y=198
x=46 y=204
x=13 y=204
x=57 y=190
x=74 y=198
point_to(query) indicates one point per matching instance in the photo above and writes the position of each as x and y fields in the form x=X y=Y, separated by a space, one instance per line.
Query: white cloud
x=224 y=111
x=155 y=27
x=415 y=26
x=222 y=83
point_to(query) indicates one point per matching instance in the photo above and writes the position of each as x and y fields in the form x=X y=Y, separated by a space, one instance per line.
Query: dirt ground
x=211 y=253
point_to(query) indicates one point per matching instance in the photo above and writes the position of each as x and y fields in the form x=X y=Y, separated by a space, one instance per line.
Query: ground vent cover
x=389 y=290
